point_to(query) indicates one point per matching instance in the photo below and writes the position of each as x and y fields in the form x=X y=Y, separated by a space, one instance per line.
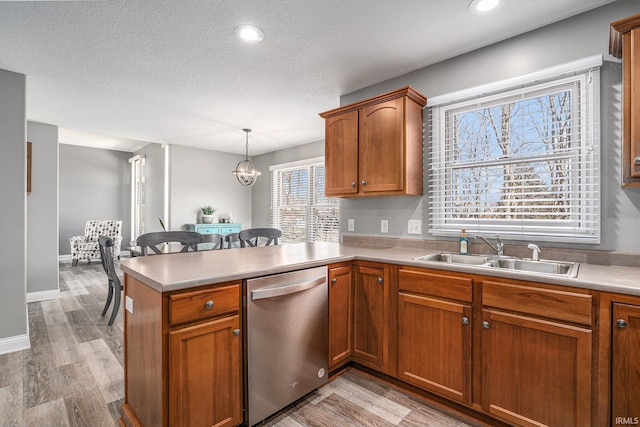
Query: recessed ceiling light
x=483 y=6
x=248 y=33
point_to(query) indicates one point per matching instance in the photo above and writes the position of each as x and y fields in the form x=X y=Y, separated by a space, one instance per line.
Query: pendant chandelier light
x=246 y=172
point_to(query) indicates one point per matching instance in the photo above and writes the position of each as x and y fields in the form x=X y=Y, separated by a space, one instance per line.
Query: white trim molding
x=43 y=295
x=15 y=343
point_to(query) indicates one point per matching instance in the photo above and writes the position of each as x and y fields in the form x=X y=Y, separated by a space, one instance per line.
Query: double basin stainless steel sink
x=547 y=267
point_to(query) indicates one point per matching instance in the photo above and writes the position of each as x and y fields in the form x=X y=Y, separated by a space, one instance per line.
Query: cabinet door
x=632 y=100
x=434 y=345
x=381 y=150
x=535 y=372
x=625 y=389
x=341 y=154
x=368 y=322
x=204 y=374
x=340 y=314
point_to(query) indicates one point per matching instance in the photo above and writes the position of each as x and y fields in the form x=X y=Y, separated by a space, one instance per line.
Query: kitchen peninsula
x=183 y=310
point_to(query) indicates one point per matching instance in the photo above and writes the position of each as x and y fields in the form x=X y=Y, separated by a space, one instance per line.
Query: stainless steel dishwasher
x=287 y=339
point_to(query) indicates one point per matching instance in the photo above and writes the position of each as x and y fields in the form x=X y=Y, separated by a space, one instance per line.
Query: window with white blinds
x=299 y=207
x=522 y=163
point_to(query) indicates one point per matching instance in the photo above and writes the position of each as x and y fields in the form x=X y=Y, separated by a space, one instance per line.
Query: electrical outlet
x=415 y=226
x=384 y=226
x=351 y=224
x=128 y=304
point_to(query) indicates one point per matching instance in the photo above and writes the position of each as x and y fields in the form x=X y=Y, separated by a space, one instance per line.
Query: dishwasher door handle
x=287 y=289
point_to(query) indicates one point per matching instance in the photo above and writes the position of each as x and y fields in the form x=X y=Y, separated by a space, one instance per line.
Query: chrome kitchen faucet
x=499 y=247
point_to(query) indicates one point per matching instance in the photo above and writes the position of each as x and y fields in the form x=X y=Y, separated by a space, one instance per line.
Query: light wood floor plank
x=11 y=407
x=48 y=414
x=105 y=368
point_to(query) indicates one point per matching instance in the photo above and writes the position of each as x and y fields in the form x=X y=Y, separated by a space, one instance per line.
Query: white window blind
x=522 y=163
x=299 y=207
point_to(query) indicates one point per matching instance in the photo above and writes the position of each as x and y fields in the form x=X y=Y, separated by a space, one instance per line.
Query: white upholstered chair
x=87 y=246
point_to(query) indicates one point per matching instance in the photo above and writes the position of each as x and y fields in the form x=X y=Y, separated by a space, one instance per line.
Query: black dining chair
x=232 y=240
x=216 y=239
x=115 y=287
x=188 y=240
x=253 y=237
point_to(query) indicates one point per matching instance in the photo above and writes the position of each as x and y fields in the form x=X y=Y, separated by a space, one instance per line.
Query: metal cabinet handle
x=353 y=184
x=636 y=160
x=465 y=320
x=380 y=280
x=621 y=323
x=209 y=305
x=485 y=325
x=333 y=281
x=236 y=332
x=363 y=182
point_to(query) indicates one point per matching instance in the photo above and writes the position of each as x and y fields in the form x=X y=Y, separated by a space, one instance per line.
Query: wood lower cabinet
x=374 y=147
x=434 y=333
x=182 y=356
x=536 y=366
x=625 y=354
x=204 y=374
x=340 y=314
x=369 y=315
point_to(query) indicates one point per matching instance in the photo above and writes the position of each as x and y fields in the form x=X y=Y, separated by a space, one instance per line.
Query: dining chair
x=188 y=240
x=252 y=237
x=216 y=239
x=106 y=246
x=232 y=240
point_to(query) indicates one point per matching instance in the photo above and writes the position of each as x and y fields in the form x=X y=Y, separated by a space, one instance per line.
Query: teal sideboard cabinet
x=217 y=228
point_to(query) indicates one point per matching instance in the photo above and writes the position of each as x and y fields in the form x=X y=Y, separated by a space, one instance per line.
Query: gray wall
x=575 y=38
x=261 y=196
x=42 y=210
x=93 y=184
x=13 y=154
x=203 y=177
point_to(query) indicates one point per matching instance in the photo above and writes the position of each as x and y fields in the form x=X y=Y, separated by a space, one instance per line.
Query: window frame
x=310 y=206
x=576 y=230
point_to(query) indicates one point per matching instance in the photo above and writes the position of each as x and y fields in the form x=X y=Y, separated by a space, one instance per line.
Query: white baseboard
x=43 y=295
x=64 y=257
x=15 y=343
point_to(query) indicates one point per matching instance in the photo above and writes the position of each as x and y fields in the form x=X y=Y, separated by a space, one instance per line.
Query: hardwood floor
x=73 y=373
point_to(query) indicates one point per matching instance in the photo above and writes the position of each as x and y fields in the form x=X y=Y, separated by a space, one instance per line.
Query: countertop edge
x=613 y=279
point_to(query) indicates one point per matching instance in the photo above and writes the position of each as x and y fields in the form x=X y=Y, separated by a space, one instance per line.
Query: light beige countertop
x=173 y=272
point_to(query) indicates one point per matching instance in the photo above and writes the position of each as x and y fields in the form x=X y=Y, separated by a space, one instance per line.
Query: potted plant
x=207 y=214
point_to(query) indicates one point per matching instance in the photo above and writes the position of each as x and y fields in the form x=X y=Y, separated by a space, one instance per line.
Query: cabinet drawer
x=226 y=229
x=192 y=306
x=554 y=304
x=440 y=285
x=208 y=230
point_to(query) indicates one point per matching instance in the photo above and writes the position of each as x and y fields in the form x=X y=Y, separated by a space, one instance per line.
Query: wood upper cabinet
x=369 y=322
x=374 y=147
x=434 y=332
x=340 y=315
x=624 y=43
x=625 y=353
x=536 y=366
x=341 y=154
x=205 y=374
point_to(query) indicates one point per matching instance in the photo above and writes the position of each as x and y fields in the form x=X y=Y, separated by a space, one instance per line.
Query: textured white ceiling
x=171 y=71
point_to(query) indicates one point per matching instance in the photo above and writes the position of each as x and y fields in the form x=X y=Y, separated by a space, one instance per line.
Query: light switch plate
x=128 y=304
x=415 y=226
x=351 y=224
x=384 y=226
